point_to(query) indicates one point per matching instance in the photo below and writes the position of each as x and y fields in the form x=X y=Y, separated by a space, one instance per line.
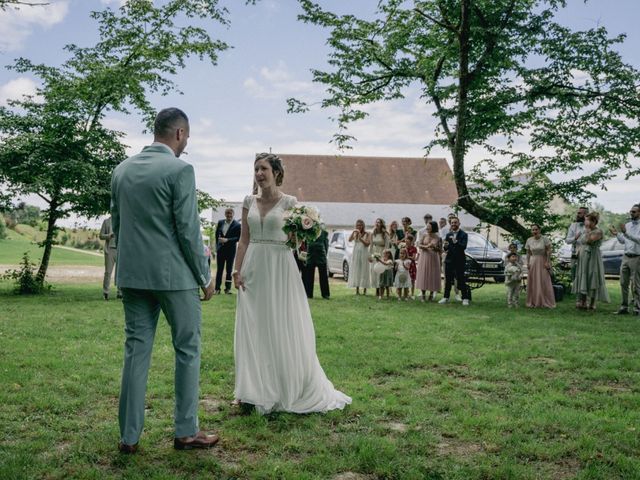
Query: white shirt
x=225 y=227
x=421 y=233
x=443 y=231
x=574 y=229
x=631 y=238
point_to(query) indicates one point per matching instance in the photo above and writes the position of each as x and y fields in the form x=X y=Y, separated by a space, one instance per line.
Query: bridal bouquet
x=303 y=223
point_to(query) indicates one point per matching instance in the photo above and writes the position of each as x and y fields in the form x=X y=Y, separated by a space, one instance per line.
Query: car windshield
x=478 y=241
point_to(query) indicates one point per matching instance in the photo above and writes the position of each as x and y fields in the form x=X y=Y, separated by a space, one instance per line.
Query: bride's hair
x=276 y=165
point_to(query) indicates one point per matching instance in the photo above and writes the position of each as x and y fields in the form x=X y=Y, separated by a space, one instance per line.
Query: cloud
x=278 y=83
x=118 y=3
x=16 y=25
x=17 y=88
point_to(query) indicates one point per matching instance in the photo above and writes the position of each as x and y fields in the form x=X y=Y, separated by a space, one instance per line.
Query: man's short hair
x=583 y=208
x=168 y=120
x=229 y=210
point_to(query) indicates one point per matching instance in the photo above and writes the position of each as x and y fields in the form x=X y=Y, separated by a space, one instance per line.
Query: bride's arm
x=242 y=248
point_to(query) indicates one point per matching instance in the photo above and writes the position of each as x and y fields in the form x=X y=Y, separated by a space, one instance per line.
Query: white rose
x=307 y=223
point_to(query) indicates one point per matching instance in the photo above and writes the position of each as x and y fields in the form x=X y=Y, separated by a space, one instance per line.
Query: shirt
x=574 y=229
x=225 y=227
x=631 y=238
x=443 y=231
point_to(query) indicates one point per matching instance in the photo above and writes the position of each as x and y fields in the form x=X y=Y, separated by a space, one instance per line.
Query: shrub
x=3 y=228
x=25 y=278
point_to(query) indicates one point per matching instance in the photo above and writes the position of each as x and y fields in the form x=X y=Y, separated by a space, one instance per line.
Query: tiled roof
x=351 y=179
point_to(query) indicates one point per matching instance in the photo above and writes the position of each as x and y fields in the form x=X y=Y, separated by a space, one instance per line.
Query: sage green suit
x=161 y=265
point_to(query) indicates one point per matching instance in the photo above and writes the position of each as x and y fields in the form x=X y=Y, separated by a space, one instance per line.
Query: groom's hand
x=208 y=292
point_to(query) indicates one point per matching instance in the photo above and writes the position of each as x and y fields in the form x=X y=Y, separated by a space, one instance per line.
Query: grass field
x=439 y=392
x=13 y=247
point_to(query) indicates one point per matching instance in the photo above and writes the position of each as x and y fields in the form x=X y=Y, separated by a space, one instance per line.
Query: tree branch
x=441 y=23
x=44 y=198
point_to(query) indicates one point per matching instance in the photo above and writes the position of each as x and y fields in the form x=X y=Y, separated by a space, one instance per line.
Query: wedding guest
x=402 y=282
x=379 y=243
x=385 y=278
x=227 y=237
x=412 y=254
x=428 y=218
x=576 y=229
x=394 y=238
x=110 y=257
x=589 y=284
x=360 y=270
x=629 y=234
x=406 y=227
x=539 y=285
x=428 y=276
x=513 y=249
x=513 y=280
x=454 y=245
x=316 y=257
x=443 y=227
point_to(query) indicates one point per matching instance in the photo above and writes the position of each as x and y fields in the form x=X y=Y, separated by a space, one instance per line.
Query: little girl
x=403 y=276
x=386 y=277
x=412 y=253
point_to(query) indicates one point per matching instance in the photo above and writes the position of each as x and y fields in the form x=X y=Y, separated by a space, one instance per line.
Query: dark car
x=484 y=259
x=612 y=252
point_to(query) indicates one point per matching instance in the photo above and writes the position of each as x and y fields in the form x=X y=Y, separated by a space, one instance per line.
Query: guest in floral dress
x=360 y=271
x=394 y=238
x=429 y=273
x=412 y=253
x=589 y=284
x=539 y=286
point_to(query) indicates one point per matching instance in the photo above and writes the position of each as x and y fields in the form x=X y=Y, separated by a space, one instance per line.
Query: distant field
x=12 y=249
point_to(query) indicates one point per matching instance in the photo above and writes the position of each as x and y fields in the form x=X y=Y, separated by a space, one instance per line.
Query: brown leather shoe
x=127 y=449
x=200 y=440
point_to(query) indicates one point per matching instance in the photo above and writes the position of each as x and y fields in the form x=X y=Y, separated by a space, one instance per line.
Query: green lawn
x=439 y=392
x=13 y=247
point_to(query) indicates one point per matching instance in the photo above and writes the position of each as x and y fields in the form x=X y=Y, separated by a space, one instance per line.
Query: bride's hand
x=238 y=281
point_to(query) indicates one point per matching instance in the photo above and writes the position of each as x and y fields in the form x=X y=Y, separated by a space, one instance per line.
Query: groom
x=161 y=266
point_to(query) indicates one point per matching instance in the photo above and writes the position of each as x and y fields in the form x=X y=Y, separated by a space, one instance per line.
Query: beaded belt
x=269 y=242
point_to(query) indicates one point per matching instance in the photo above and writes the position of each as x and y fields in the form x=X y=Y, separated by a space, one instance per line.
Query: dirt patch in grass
x=544 y=360
x=458 y=448
x=565 y=468
x=352 y=476
x=397 y=427
x=211 y=405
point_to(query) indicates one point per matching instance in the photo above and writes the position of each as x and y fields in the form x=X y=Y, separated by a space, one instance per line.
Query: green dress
x=590 y=279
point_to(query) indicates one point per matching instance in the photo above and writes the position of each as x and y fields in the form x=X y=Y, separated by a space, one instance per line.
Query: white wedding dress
x=275 y=347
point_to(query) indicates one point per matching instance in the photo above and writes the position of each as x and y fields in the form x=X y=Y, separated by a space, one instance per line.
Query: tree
x=4 y=4
x=499 y=74
x=55 y=144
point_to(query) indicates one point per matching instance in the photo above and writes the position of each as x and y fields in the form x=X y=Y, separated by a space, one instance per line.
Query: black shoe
x=326 y=297
x=127 y=449
x=119 y=295
x=105 y=296
x=622 y=311
x=227 y=292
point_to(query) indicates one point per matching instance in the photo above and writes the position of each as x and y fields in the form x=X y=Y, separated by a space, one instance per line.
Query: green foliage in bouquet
x=301 y=224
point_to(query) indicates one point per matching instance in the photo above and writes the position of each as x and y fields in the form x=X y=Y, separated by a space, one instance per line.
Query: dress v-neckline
x=262 y=217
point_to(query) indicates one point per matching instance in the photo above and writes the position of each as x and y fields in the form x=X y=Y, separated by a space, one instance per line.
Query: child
x=412 y=253
x=513 y=248
x=386 y=277
x=403 y=275
x=512 y=277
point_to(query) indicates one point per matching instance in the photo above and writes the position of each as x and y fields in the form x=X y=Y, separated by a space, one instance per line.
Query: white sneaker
x=465 y=303
x=443 y=301
x=458 y=298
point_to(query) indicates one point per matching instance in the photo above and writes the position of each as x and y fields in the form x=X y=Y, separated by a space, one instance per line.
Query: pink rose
x=307 y=223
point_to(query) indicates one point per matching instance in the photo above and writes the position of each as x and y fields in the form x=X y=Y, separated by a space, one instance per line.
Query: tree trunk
x=458 y=150
x=52 y=217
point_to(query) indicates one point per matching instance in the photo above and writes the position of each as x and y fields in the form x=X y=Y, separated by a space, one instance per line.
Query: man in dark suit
x=227 y=236
x=455 y=243
x=317 y=257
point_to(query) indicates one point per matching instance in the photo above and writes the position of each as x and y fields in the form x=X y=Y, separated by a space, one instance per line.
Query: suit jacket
x=232 y=235
x=455 y=251
x=105 y=234
x=317 y=250
x=155 y=218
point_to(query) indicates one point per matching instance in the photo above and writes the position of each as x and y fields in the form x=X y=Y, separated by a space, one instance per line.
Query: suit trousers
x=141 y=311
x=454 y=271
x=630 y=276
x=224 y=260
x=110 y=257
x=308 y=278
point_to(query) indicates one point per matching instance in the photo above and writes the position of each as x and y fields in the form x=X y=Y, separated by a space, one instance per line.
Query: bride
x=275 y=348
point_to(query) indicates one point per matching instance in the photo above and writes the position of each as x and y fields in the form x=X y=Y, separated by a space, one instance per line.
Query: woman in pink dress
x=539 y=286
x=428 y=275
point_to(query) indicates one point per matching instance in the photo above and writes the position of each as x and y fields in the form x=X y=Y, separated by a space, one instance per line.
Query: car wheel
x=345 y=271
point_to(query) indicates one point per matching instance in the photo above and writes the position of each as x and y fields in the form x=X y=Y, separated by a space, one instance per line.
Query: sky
x=238 y=107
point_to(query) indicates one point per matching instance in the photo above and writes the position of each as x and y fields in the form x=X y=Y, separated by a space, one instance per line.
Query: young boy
x=513 y=277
